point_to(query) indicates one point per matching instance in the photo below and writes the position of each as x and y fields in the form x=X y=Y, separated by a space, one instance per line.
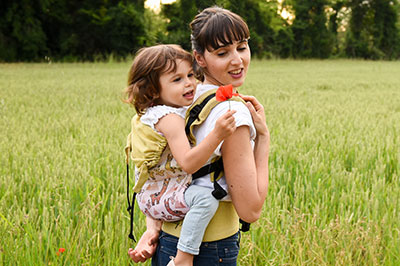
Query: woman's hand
x=147 y=245
x=257 y=112
x=145 y=248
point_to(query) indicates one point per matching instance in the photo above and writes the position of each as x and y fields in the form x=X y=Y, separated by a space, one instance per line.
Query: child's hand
x=225 y=125
x=257 y=112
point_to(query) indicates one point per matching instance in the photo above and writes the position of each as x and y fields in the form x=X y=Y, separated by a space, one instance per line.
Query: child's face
x=178 y=87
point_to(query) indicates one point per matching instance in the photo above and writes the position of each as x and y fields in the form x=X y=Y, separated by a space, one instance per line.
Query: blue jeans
x=223 y=252
x=202 y=206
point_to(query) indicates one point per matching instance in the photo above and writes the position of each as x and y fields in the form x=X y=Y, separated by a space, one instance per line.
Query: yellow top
x=225 y=223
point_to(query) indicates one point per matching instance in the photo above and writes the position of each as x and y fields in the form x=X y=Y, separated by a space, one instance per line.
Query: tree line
x=75 y=30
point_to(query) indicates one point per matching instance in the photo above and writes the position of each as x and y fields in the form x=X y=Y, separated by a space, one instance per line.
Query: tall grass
x=334 y=196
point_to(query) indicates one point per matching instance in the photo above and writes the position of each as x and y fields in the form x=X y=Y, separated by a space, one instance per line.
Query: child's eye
x=176 y=79
x=190 y=75
x=221 y=53
x=241 y=48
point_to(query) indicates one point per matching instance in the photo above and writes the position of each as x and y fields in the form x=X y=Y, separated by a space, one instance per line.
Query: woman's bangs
x=224 y=31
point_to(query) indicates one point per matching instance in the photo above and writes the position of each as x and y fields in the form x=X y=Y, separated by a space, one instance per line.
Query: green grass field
x=334 y=196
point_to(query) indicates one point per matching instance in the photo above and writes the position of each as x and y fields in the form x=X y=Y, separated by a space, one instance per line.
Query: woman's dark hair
x=144 y=75
x=215 y=27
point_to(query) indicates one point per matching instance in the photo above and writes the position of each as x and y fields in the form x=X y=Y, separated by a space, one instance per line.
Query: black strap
x=216 y=166
x=195 y=111
x=131 y=205
x=218 y=191
x=245 y=226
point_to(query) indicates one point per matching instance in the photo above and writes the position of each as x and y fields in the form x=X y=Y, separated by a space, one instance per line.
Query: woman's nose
x=236 y=58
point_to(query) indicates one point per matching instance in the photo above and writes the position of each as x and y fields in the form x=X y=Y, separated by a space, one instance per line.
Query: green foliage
x=125 y=29
x=50 y=30
x=71 y=29
x=22 y=36
x=373 y=32
x=117 y=29
x=334 y=22
x=284 y=42
x=179 y=15
x=386 y=35
x=311 y=36
x=155 y=26
x=359 y=43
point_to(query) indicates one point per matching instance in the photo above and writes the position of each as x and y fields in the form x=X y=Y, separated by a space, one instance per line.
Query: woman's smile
x=236 y=74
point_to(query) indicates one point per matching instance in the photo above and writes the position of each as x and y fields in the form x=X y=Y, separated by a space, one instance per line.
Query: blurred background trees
x=61 y=30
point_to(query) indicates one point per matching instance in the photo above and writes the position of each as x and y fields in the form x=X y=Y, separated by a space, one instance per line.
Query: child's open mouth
x=189 y=94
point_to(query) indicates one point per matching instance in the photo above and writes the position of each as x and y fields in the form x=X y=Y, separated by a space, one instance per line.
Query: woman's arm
x=192 y=159
x=246 y=170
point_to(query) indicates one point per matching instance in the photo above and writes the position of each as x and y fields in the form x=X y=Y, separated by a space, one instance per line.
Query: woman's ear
x=199 y=59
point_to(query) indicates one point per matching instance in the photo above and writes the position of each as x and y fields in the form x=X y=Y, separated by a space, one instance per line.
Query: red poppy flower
x=225 y=93
x=60 y=251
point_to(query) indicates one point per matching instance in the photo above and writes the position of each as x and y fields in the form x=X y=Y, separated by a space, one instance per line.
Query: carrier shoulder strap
x=200 y=110
x=195 y=116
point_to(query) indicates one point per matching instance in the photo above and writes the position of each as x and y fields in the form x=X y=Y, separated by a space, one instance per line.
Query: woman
x=220 y=46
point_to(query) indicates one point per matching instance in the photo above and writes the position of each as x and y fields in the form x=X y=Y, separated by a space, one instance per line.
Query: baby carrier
x=195 y=116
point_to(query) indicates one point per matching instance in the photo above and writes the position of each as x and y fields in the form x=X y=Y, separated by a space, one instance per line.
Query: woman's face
x=226 y=65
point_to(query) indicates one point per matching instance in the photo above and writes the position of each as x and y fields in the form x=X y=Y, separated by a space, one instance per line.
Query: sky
x=155 y=4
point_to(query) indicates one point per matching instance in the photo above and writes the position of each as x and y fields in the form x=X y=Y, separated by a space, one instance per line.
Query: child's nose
x=188 y=82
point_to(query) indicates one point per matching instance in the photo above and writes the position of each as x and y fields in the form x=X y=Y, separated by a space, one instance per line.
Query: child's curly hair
x=144 y=75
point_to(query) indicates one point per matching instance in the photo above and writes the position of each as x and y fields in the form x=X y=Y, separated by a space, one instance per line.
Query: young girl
x=219 y=41
x=161 y=84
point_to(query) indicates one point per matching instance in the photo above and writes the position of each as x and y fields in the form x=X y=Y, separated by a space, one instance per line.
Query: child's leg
x=202 y=208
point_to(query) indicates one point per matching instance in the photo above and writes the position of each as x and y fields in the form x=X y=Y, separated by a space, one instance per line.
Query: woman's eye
x=242 y=48
x=190 y=75
x=221 y=53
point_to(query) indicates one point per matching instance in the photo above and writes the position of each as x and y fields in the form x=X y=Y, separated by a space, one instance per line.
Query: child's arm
x=146 y=247
x=192 y=159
